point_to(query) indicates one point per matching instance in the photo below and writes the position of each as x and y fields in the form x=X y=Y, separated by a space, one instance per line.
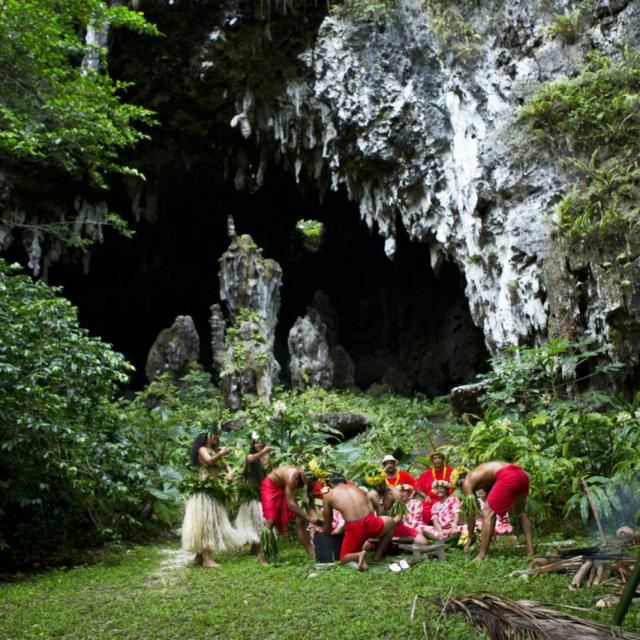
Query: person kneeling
x=361 y=523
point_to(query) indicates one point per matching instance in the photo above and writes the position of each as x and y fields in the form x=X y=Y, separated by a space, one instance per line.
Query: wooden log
x=581 y=575
x=596 y=516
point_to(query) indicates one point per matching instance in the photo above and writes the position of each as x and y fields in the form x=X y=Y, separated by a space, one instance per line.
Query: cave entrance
x=401 y=324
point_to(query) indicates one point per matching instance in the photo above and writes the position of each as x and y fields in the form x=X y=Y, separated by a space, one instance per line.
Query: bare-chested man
x=279 y=504
x=361 y=522
x=507 y=485
x=383 y=497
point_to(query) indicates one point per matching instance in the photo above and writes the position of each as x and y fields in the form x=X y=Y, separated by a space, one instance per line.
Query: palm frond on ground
x=504 y=619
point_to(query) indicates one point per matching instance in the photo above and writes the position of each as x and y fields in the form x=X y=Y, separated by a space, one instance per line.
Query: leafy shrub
x=535 y=415
x=452 y=32
x=66 y=469
x=566 y=26
x=312 y=232
x=376 y=11
x=594 y=121
x=60 y=112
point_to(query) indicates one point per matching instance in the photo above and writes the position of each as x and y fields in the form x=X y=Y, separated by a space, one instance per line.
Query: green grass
x=125 y=596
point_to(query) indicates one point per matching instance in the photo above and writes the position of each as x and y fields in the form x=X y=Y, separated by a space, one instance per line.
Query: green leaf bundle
x=213 y=487
x=469 y=507
x=269 y=544
x=399 y=508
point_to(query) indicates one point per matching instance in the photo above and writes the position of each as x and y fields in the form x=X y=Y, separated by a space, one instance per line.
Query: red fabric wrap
x=403 y=530
x=274 y=504
x=358 y=532
x=425 y=482
x=511 y=481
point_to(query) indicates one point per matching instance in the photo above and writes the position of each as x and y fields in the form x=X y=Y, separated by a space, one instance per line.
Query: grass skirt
x=249 y=522
x=206 y=526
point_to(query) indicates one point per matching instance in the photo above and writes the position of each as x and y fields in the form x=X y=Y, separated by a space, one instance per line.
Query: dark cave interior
x=399 y=322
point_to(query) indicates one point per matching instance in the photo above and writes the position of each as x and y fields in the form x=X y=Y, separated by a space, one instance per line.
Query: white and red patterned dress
x=446 y=512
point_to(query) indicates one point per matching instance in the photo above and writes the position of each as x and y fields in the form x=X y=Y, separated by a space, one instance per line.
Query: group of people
x=393 y=504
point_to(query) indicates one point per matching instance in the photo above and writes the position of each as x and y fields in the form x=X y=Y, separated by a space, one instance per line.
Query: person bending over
x=507 y=486
x=279 y=504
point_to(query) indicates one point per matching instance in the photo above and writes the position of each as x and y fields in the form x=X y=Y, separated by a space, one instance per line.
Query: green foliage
x=310 y=228
x=132 y=595
x=400 y=426
x=566 y=27
x=54 y=110
x=211 y=486
x=378 y=12
x=160 y=423
x=535 y=415
x=312 y=232
x=399 y=509
x=594 y=121
x=244 y=344
x=453 y=33
x=66 y=470
x=469 y=507
x=268 y=544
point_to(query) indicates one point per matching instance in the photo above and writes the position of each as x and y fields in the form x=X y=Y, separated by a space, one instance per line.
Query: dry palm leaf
x=504 y=619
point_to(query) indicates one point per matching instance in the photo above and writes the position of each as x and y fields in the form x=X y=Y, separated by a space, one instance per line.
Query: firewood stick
x=581 y=575
x=585 y=486
x=597 y=564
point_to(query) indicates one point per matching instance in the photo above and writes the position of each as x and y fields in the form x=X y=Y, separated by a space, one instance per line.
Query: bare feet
x=197 y=561
x=263 y=561
x=362 y=561
x=210 y=564
x=479 y=557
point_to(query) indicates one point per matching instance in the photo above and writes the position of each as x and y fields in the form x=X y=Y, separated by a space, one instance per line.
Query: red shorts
x=511 y=481
x=274 y=504
x=403 y=530
x=359 y=531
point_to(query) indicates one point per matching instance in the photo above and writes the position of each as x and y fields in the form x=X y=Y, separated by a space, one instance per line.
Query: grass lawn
x=134 y=595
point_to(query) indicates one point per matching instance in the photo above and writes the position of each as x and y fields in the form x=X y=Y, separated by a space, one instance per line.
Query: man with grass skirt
x=279 y=504
x=361 y=521
x=507 y=486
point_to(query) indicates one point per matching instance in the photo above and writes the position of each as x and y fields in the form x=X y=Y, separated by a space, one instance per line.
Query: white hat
x=388 y=458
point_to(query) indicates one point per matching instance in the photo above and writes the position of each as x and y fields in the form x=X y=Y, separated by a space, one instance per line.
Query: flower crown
x=444 y=484
x=457 y=472
x=375 y=478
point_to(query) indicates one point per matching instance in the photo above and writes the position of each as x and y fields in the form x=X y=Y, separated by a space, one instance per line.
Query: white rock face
x=310 y=363
x=420 y=138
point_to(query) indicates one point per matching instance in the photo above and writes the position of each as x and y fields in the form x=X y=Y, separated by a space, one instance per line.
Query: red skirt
x=358 y=532
x=274 y=504
x=511 y=481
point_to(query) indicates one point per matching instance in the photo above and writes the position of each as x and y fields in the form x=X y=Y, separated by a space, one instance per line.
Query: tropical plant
x=535 y=415
x=60 y=110
x=53 y=108
x=66 y=469
x=591 y=122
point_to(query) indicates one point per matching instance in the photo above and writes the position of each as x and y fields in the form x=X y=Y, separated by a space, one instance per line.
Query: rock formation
x=310 y=364
x=174 y=349
x=250 y=287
